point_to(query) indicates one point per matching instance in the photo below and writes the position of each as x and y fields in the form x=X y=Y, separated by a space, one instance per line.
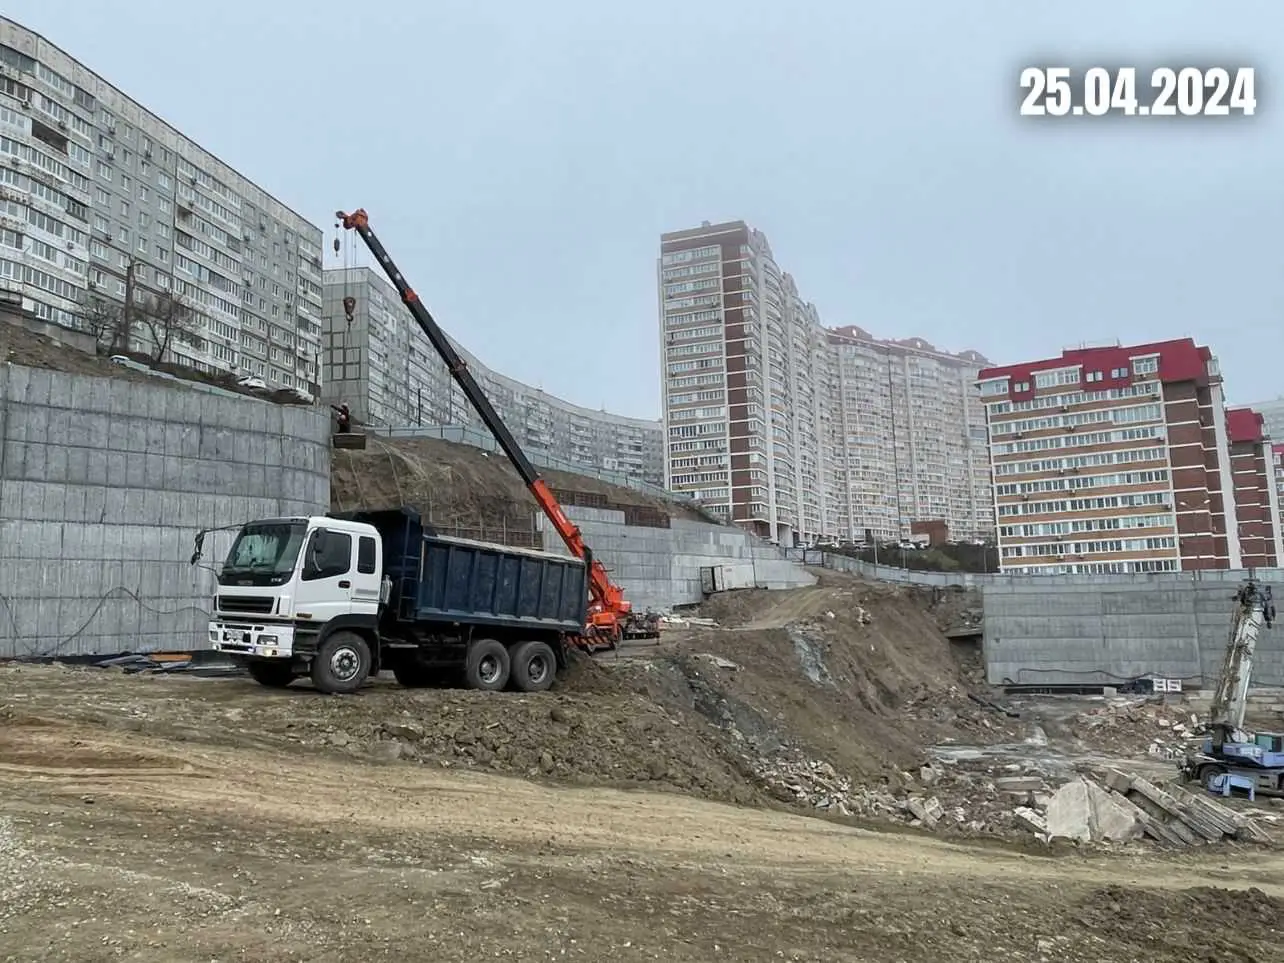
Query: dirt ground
x=124 y=835
x=660 y=804
x=462 y=486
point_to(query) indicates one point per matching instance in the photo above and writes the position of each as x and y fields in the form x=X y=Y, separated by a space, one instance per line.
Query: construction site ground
x=731 y=793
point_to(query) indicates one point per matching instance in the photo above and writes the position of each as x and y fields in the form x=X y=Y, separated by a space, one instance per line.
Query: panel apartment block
x=96 y=191
x=1112 y=460
x=1257 y=510
x=386 y=370
x=913 y=439
x=104 y=484
x=746 y=384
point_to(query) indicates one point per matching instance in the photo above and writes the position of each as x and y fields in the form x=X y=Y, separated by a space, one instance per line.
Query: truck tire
x=342 y=664
x=274 y=675
x=534 y=667
x=488 y=666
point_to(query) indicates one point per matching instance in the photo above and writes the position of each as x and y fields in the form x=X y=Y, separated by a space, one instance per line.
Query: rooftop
x=1179 y=360
x=1244 y=425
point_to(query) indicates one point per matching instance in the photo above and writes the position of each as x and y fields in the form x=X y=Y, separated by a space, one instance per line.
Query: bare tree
x=163 y=317
x=103 y=319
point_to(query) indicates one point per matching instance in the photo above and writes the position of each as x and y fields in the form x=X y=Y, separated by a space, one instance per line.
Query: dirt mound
x=477 y=493
x=857 y=674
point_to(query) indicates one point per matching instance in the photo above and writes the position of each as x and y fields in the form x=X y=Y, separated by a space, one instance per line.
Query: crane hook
x=349 y=306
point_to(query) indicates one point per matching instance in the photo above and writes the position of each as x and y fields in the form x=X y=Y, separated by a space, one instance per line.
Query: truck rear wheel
x=274 y=675
x=534 y=667
x=342 y=664
x=488 y=666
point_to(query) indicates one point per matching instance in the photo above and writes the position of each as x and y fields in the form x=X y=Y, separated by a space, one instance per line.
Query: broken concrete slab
x=1018 y=785
x=1113 y=818
x=1069 y=814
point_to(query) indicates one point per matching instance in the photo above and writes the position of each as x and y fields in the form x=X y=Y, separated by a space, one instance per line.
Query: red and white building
x=1119 y=460
x=1257 y=503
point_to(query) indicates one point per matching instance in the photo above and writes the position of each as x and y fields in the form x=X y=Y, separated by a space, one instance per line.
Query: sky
x=520 y=161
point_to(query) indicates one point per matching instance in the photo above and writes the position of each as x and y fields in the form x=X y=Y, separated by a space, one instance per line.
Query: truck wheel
x=534 y=667
x=342 y=664
x=274 y=675
x=488 y=666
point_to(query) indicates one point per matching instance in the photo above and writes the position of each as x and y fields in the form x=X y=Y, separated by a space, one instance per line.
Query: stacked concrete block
x=660 y=567
x=1099 y=630
x=103 y=486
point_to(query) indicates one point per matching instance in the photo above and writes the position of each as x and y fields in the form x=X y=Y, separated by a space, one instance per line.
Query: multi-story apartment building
x=97 y=194
x=746 y=386
x=1112 y=460
x=1277 y=459
x=384 y=368
x=1257 y=506
x=797 y=432
x=913 y=437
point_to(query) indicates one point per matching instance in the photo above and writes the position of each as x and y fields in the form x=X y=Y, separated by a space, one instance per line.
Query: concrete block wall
x=1102 y=630
x=103 y=486
x=660 y=567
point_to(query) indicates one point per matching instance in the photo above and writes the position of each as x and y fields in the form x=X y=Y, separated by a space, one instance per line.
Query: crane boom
x=610 y=614
x=1253 y=605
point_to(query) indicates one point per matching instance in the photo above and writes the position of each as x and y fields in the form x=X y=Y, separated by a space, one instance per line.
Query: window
x=366 y=555
x=1145 y=366
x=329 y=555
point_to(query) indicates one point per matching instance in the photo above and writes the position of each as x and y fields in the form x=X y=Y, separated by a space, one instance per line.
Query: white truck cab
x=301 y=595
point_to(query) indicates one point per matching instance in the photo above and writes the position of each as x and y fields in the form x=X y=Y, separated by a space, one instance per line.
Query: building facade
x=384 y=368
x=1112 y=460
x=746 y=385
x=1272 y=413
x=799 y=433
x=1277 y=459
x=1257 y=506
x=98 y=195
x=913 y=447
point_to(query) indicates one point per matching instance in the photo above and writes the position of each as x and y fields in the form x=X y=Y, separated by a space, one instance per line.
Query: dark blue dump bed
x=438 y=578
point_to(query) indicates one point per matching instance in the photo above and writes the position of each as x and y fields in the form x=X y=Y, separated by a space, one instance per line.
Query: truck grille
x=258 y=604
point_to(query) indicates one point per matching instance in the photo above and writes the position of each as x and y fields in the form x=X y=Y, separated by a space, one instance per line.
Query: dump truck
x=340 y=597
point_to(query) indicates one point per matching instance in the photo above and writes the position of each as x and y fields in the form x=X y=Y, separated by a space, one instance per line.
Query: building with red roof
x=1119 y=459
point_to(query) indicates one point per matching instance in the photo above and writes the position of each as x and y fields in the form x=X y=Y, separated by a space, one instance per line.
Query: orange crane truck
x=610 y=618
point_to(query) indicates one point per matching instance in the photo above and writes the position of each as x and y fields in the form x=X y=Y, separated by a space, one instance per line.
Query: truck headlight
x=267 y=640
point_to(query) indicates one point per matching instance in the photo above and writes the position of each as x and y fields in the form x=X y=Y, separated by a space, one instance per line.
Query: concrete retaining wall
x=103 y=485
x=660 y=567
x=1103 y=630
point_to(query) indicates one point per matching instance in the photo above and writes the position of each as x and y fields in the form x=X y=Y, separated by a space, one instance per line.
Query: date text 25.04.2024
x=1175 y=92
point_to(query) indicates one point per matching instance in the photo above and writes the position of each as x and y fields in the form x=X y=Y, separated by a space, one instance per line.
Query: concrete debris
x=670 y=621
x=1140 y=725
x=1130 y=807
x=718 y=661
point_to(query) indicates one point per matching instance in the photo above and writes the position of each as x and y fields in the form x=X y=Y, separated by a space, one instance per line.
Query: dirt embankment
x=19 y=346
x=804 y=698
x=463 y=489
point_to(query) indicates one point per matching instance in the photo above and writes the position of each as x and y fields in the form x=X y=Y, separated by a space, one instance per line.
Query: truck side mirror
x=316 y=549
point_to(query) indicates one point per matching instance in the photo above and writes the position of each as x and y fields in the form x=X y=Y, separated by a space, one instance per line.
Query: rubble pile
x=1140 y=725
x=1129 y=807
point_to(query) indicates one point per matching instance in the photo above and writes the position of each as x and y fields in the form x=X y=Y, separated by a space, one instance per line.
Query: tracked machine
x=1228 y=751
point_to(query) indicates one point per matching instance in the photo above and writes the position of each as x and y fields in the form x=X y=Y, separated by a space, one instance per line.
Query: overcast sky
x=520 y=161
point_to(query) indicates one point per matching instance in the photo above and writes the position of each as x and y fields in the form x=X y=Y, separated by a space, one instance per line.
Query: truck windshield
x=264 y=552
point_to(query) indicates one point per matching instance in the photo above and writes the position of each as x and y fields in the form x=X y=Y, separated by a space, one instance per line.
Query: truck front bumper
x=261 y=640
